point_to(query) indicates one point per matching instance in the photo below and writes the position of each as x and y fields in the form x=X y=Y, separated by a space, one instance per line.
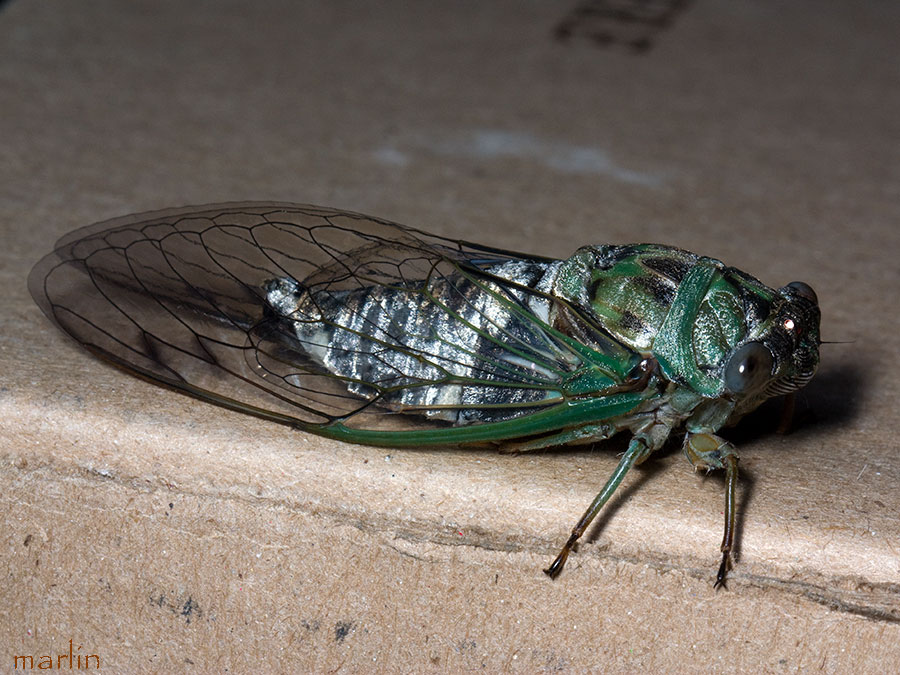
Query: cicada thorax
x=628 y=289
x=688 y=312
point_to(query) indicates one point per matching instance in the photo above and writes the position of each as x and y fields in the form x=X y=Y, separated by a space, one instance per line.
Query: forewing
x=180 y=297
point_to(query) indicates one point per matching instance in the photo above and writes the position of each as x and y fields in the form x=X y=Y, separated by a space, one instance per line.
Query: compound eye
x=748 y=368
x=804 y=291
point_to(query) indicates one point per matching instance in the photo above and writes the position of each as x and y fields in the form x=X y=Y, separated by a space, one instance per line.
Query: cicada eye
x=805 y=291
x=749 y=367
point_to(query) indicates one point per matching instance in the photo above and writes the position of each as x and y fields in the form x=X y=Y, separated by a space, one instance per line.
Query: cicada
x=366 y=331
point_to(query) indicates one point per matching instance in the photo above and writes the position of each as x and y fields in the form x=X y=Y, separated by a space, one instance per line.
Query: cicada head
x=781 y=354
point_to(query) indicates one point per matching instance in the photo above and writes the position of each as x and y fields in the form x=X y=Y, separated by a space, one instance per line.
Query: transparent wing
x=314 y=316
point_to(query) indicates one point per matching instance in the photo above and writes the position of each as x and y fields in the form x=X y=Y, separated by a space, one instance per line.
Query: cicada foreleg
x=637 y=451
x=707 y=451
x=787 y=414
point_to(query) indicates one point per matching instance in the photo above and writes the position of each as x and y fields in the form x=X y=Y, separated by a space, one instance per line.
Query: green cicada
x=366 y=331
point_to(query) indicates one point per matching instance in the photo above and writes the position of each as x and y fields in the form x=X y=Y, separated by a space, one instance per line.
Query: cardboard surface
x=160 y=532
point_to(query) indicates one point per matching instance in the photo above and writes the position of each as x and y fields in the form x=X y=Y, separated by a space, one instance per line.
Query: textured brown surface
x=157 y=531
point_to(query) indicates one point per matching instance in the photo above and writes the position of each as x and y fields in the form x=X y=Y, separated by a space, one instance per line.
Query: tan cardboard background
x=160 y=532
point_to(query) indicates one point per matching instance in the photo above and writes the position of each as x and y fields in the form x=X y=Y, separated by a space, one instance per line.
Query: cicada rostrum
x=370 y=332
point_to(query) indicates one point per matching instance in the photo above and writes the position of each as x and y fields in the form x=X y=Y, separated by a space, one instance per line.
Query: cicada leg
x=637 y=451
x=787 y=414
x=707 y=451
x=582 y=434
